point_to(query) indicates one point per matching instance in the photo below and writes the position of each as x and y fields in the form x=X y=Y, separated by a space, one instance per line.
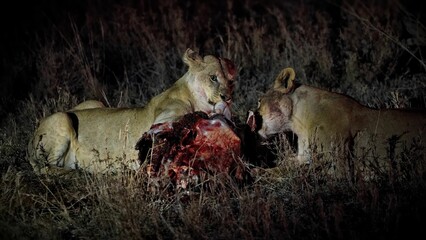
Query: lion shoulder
x=88 y=104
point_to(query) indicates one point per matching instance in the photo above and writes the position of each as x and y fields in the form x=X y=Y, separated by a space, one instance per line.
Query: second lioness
x=98 y=139
x=330 y=121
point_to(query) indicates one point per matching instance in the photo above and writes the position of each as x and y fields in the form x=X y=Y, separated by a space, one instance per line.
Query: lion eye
x=213 y=78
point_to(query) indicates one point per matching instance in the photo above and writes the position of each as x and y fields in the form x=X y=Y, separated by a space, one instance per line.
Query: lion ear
x=285 y=80
x=192 y=58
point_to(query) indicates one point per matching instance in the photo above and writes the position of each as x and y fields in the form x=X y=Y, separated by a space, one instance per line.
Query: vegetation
x=124 y=53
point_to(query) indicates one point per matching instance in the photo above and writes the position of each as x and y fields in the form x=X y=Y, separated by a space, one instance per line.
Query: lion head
x=275 y=107
x=214 y=77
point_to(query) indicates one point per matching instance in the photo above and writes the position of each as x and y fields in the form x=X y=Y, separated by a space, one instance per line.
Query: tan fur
x=99 y=139
x=329 y=119
x=88 y=104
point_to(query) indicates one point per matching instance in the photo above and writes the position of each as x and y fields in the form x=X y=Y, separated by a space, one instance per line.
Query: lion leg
x=51 y=143
x=303 y=151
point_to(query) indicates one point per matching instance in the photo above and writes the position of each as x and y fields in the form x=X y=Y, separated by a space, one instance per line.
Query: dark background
x=24 y=25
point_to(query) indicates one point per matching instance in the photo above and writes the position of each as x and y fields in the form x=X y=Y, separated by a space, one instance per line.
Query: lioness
x=326 y=120
x=97 y=139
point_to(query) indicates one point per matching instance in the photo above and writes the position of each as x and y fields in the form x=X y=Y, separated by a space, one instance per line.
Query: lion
x=100 y=139
x=327 y=120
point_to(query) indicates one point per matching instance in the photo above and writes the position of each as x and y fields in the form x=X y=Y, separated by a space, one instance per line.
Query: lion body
x=99 y=139
x=88 y=104
x=328 y=120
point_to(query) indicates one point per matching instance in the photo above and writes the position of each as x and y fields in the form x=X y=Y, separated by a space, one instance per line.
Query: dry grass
x=123 y=54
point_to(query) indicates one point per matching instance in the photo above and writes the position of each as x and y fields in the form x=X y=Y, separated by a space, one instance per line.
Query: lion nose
x=225 y=98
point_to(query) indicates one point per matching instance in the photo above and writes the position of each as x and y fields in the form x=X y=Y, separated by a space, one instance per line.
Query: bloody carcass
x=189 y=150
